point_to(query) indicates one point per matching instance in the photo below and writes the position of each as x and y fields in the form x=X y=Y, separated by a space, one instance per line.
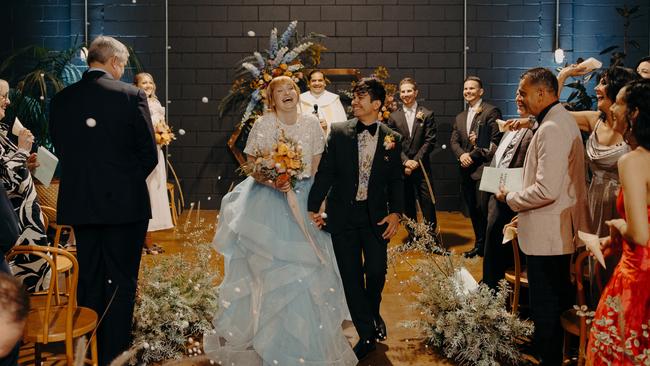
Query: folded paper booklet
x=17 y=127
x=591 y=64
x=509 y=233
x=47 y=165
x=593 y=245
x=493 y=178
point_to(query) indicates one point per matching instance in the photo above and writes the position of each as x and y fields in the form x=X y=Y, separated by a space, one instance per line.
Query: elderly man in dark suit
x=473 y=134
x=418 y=128
x=102 y=133
x=361 y=175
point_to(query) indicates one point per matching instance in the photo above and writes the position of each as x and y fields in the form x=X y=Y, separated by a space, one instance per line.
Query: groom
x=361 y=175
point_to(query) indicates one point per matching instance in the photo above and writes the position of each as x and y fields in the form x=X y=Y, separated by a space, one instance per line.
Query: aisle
x=402 y=346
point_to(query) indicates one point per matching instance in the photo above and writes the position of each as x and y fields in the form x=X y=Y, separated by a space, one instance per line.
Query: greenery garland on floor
x=176 y=301
x=473 y=327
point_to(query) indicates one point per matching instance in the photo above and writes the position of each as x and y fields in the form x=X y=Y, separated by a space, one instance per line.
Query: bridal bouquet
x=282 y=164
x=163 y=133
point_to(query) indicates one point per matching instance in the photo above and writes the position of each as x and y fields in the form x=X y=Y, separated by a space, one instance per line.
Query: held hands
x=25 y=140
x=616 y=229
x=407 y=171
x=465 y=160
x=472 y=138
x=317 y=219
x=411 y=164
x=393 y=224
x=283 y=187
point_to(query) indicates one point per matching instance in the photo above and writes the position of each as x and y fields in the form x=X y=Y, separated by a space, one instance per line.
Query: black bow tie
x=370 y=128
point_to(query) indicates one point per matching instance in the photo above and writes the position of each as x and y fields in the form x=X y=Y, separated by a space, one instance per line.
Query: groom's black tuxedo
x=416 y=145
x=102 y=133
x=358 y=244
x=338 y=178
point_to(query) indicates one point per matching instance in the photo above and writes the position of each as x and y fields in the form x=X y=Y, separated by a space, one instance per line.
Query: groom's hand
x=393 y=224
x=317 y=219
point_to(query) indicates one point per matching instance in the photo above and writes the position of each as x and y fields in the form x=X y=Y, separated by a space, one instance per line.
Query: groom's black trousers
x=361 y=257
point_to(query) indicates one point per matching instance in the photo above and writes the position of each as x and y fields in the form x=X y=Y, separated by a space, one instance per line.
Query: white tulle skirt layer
x=279 y=304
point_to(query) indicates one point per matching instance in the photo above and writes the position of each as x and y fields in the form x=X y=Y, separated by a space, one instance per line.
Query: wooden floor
x=402 y=346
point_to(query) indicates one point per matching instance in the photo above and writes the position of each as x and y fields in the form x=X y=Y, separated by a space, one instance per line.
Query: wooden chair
x=50 y=213
x=517 y=276
x=172 y=202
x=572 y=323
x=58 y=323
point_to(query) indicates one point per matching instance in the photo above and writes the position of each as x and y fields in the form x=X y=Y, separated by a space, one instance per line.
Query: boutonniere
x=389 y=142
x=419 y=116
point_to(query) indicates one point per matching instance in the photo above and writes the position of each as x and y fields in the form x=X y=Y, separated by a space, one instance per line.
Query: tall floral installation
x=287 y=55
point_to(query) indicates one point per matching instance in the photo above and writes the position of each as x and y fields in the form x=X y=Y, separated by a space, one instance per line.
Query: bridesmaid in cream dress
x=161 y=218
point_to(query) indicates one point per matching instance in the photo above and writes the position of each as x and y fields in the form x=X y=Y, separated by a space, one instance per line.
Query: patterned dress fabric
x=620 y=332
x=279 y=304
x=19 y=185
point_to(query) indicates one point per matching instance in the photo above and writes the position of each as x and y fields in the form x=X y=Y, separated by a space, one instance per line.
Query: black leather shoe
x=380 y=329
x=363 y=348
x=473 y=253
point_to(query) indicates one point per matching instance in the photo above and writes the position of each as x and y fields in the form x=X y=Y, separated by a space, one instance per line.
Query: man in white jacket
x=329 y=110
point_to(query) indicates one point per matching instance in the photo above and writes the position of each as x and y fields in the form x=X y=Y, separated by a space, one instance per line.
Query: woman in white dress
x=282 y=300
x=161 y=218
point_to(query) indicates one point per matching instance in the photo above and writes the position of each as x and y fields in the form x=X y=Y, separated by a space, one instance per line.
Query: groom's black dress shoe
x=380 y=329
x=473 y=253
x=363 y=348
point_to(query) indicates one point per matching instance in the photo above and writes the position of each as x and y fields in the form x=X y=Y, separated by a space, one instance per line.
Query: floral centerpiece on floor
x=176 y=301
x=286 y=55
x=469 y=324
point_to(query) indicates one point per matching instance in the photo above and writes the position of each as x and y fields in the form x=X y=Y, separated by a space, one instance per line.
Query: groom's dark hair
x=373 y=87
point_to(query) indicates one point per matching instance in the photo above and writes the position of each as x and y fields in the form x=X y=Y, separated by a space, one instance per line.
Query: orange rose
x=276 y=72
x=284 y=67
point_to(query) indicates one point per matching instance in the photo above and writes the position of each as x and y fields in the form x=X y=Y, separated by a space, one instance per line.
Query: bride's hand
x=317 y=219
x=283 y=187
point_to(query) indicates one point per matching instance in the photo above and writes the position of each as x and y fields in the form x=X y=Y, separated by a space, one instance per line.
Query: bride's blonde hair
x=277 y=81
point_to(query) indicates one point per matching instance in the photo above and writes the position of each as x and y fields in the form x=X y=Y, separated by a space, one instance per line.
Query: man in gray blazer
x=551 y=208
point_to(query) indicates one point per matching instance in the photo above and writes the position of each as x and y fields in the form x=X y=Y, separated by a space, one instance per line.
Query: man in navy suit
x=418 y=128
x=103 y=136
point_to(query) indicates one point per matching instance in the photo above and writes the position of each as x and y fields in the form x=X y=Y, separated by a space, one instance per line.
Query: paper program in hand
x=593 y=245
x=510 y=232
x=47 y=165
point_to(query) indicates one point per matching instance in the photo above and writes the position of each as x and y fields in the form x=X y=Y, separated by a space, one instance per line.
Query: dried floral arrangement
x=287 y=55
x=471 y=326
x=176 y=301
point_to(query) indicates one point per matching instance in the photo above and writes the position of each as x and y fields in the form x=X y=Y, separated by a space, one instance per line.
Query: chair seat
x=510 y=277
x=84 y=320
x=63 y=264
x=571 y=321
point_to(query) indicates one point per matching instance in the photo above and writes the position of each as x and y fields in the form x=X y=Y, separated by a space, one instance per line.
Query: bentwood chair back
x=51 y=322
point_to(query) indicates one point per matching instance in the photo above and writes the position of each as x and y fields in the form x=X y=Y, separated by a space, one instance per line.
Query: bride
x=282 y=302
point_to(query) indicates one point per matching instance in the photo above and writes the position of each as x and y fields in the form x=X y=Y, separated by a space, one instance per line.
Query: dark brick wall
x=419 y=38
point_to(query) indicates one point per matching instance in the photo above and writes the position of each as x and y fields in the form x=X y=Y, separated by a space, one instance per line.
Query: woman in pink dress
x=621 y=326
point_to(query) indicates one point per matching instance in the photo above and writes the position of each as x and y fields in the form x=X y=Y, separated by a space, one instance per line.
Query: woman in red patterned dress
x=621 y=326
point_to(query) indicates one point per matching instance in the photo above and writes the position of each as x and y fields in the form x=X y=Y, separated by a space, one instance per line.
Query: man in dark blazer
x=473 y=137
x=510 y=153
x=361 y=175
x=418 y=128
x=102 y=134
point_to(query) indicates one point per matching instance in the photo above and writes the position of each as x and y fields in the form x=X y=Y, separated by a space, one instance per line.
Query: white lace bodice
x=306 y=131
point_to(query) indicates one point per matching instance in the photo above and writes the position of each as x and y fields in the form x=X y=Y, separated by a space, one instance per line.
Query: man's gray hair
x=103 y=48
